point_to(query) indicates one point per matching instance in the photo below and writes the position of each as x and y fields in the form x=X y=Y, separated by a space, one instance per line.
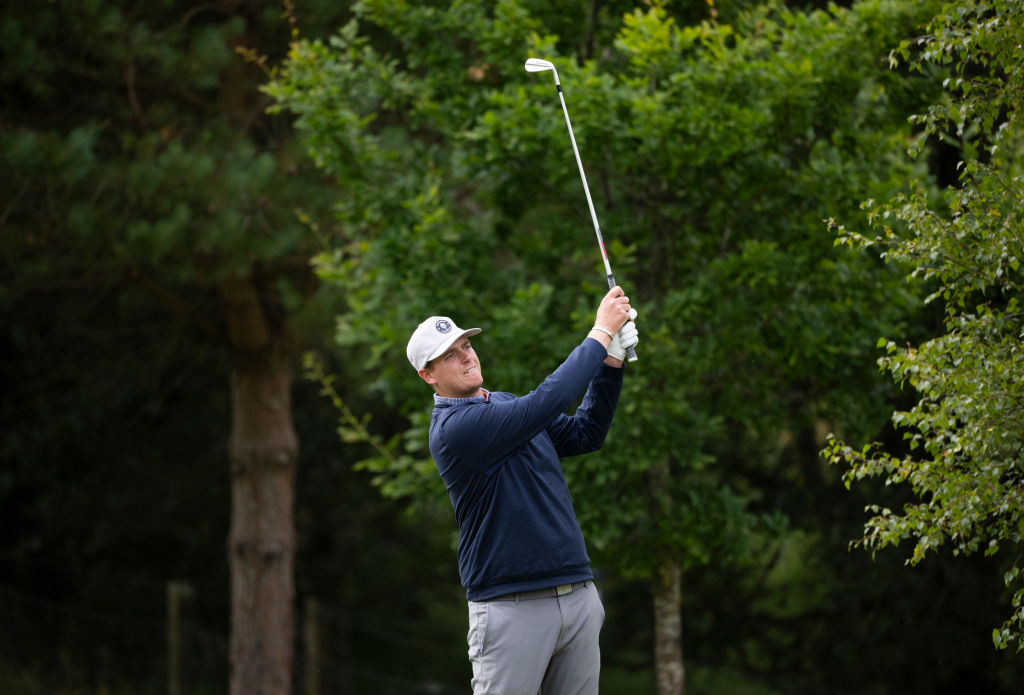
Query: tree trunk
x=669 y=673
x=666 y=590
x=263 y=453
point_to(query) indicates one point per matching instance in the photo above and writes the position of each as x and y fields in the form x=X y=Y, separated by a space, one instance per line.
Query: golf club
x=538 y=65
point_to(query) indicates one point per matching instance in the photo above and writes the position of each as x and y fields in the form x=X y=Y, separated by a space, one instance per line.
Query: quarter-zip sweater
x=499 y=457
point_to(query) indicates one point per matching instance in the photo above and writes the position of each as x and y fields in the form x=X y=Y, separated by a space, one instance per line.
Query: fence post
x=311 y=636
x=177 y=593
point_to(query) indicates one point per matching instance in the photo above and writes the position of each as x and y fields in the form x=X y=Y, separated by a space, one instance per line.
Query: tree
x=714 y=150
x=964 y=434
x=141 y=165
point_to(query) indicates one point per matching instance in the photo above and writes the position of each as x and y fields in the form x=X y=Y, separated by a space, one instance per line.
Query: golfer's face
x=457 y=372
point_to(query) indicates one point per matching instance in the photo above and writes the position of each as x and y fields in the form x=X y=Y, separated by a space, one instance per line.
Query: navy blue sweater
x=499 y=454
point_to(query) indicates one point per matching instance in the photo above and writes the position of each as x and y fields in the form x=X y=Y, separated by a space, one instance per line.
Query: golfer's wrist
x=601 y=335
x=613 y=362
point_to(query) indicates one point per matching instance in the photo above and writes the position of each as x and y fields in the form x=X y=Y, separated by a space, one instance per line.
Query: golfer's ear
x=427 y=375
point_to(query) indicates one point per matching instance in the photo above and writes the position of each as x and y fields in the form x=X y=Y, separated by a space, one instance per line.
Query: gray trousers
x=546 y=646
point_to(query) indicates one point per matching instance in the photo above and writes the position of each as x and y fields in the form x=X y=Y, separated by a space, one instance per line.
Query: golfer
x=534 y=612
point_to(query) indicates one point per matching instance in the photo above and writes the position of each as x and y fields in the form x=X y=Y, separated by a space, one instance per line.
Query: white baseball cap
x=432 y=338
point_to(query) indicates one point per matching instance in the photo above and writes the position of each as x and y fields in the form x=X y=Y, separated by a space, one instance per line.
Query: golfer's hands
x=613 y=311
x=627 y=337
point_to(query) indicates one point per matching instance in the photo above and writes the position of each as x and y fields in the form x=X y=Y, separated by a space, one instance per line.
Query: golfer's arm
x=605 y=340
x=585 y=431
x=600 y=336
x=487 y=432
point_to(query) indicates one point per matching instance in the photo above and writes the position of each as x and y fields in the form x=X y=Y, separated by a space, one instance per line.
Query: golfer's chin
x=472 y=386
x=466 y=388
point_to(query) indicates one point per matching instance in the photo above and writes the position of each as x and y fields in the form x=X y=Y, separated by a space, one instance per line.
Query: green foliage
x=140 y=173
x=714 y=152
x=398 y=472
x=964 y=434
x=129 y=175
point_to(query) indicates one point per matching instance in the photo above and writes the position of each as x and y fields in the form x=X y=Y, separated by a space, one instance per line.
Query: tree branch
x=176 y=304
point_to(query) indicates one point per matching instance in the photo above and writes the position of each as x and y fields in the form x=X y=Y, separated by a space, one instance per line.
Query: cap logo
x=443 y=326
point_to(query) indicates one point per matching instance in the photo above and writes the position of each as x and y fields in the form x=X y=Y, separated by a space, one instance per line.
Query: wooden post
x=103 y=671
x=311 y=636
x=177 y=593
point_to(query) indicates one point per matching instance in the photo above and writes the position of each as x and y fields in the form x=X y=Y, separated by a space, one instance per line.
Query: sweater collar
x=445 y=400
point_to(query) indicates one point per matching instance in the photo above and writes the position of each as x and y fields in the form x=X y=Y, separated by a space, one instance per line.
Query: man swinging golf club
x=534 y=612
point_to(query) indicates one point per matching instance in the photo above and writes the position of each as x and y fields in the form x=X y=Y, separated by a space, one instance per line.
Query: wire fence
x=176 y=644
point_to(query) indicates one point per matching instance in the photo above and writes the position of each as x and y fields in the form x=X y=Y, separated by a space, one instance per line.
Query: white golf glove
x=627 y=337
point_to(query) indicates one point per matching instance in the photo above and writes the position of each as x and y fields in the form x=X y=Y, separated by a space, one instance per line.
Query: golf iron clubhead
x=539 y=65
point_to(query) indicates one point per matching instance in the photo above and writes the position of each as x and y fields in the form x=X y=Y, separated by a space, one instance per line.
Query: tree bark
x=666 y=591
x=263 y=455
x=669 y=672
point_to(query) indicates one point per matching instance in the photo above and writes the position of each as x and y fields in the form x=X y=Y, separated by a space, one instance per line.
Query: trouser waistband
x=547 y=592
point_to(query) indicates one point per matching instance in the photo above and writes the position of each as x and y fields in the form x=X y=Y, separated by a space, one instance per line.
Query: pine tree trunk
x=263 y=453
x=669 y=672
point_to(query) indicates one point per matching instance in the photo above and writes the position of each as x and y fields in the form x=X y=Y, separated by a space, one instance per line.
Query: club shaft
x=630 y=352
x=586 y=188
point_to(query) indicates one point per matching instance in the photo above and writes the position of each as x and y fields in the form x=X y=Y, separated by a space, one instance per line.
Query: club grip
x=630 y=351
